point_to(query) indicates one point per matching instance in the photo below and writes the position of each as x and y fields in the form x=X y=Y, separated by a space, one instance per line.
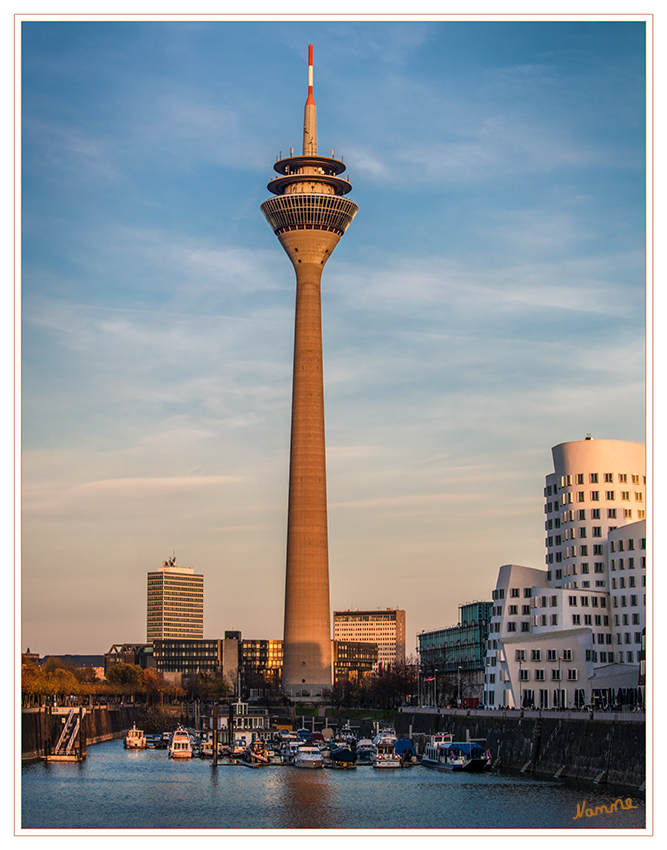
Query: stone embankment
x=608 y=748
x=40 y=727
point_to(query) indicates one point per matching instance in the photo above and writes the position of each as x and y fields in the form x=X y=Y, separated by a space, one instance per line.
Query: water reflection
x=118 y=790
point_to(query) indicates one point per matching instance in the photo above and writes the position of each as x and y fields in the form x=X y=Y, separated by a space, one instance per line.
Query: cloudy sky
x=486 y=304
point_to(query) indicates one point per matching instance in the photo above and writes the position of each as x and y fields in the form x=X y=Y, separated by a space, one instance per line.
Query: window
x=553 y=603
x=594 y=478
x=539 y=675
x=631 y=545
x=609 y=478
x=609 y=495
x=567 y=655
x=584 y=601
x=582 y=515
x=597 y=549
x=599 y=566
x=576 y=619
x=554 y=619
x=635 y=479
x=584 y=569
x=598 y=619
x=633 y=601
x=536 y=655
x=597 y=531
x=627 y=513
x=551 y=655
x=514 y=592
x=572 y=675
x=511 y=627
x=525 y=610
x=519 y=654
x=582 y=532
x=639 y=497
x=525 y=626
x=594 y=601
x=595 y=495
x=625 y=495
x=638 y=637
x=588 y=619
x=513 y=610
x=622 y=478
x=573 y=601
x=524 y=675
x=555 y=675
x=580 y=496
x=611 y=513
x=635 y=619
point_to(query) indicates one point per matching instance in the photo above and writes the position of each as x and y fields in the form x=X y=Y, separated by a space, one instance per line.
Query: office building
x=456 y=656
x=175 y=603
x=382 y=626
x=571 y=635
x=308 y=215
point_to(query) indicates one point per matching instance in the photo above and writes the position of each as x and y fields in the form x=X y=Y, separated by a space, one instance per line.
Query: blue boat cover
x=402 y=745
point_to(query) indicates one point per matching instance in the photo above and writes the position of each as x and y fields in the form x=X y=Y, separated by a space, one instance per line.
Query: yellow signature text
x=582 y=811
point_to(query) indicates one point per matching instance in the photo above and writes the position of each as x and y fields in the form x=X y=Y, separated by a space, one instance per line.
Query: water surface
x=117 y=789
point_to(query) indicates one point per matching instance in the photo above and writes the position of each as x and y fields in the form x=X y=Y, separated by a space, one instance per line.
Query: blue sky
x=486 y=304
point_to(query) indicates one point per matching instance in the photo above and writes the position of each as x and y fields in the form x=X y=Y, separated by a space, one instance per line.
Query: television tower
x=308 y=215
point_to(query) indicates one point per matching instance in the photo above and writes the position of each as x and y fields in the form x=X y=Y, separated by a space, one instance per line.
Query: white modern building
x=570 y=635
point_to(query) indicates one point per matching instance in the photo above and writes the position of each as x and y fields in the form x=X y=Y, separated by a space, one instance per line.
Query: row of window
x=593 y=496
x=588 y=619
x=593 y=478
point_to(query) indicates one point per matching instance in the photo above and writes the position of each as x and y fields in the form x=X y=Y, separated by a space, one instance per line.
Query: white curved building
x=571 y=635
x=597 y=486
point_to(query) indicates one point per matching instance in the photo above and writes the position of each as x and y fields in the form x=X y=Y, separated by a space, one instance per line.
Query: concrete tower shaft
x=308 y=215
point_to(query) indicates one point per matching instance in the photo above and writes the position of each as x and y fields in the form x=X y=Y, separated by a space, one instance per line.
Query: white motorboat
x=135 y=739
x=307 y=756
x=385 y=756
x=181 y=745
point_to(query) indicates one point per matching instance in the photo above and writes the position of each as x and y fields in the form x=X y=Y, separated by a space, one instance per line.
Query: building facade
x=382 y=626
x=308 y=214
x=190 y=657
x=175 y=604
x=570 y=636
x=352 y=661
x=457 y=655
x=597 y=486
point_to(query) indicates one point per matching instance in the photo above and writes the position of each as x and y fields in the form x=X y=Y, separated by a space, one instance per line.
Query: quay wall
x=584 y=748
x=40 y=727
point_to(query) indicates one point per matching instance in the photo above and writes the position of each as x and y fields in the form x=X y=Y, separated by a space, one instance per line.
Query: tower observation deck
x=308 y=214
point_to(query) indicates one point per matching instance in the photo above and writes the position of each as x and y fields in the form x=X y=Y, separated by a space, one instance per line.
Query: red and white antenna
x=310 y=99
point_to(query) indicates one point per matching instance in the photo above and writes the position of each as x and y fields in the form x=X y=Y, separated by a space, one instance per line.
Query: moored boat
x=307 y=756
x=135 y=739
x=448 y=754
x=385 y=756
x=180 y=746
x=365 y=751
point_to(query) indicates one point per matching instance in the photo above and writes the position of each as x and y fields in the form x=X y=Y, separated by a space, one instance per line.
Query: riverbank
x=607 y=748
